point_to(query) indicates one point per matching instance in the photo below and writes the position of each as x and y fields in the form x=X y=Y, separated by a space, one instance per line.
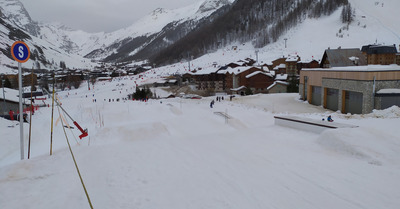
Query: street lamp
x=4 y=96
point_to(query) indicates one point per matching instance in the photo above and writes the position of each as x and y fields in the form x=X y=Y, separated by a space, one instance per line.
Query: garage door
x=389 y=101
x=316 y=95
x=353 y=102
x=332 y=99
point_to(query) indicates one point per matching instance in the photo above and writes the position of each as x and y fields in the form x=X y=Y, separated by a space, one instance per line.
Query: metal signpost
x=20 y=52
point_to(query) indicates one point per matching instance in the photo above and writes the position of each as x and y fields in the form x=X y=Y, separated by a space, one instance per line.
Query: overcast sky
x=97 y=15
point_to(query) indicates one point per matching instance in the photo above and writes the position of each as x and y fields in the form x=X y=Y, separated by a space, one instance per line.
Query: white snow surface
x=389 y=91
x=178 y=153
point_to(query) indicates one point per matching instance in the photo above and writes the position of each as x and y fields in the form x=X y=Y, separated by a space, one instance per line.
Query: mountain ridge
x=163 y=30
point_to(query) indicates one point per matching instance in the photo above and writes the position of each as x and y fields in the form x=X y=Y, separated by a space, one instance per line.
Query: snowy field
x=179 y=154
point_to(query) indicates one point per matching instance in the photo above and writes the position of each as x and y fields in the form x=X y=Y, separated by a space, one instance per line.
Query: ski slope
x=177 y=153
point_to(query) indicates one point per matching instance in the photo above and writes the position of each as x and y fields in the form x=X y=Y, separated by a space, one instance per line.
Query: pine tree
x=7 y=83
x=248 y=91
x=293 y=86
x=347 y=14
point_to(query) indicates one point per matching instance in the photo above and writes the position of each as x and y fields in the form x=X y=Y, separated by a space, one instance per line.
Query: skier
x=212 y=104
x=329 y=119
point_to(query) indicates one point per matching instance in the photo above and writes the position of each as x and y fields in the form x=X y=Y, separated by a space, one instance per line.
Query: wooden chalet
x=307 y=64
x=259 y=81
x=291 y=65
x=26 y=79
x=342 y=58
x=278 y=87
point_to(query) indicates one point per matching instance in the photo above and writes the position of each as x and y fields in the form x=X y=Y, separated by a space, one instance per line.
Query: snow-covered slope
x=156 y=24
x=72 y=41
x=179 y=154
x=373 y=23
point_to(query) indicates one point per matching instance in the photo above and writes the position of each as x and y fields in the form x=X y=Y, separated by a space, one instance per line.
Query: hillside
x=308 y=34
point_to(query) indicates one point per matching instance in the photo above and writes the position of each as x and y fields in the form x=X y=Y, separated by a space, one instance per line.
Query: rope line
x=76 y=165
x=69 y=127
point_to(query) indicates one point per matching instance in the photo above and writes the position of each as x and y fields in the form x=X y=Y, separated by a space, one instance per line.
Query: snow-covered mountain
x=373 y=23
x=16 y=13
x=158 y=29
x=154 y=32
x=16 y=25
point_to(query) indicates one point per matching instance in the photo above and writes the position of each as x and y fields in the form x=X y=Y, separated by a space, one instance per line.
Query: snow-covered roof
x=281 y=77
x=272 y=73
x=277 y=82
x=258 y=72
x=389 y=91
x=239 y=88
x=354 y=58
x=309 y=60
x=292 y=59
x=205 y=71
x=236 y=70
x=280 y=66
x=10 y=94
x=370 y=68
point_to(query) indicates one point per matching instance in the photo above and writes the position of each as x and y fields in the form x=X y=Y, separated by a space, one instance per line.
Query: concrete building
x=379 y=54
x=356 y=90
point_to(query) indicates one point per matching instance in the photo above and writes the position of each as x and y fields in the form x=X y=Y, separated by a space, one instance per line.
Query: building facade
x=380 y=55
x=350 y=89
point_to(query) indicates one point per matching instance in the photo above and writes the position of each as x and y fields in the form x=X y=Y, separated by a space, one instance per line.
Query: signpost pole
x=20 y=52
x=21 y=111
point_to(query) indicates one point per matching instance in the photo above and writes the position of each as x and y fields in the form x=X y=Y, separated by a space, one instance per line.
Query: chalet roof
x=281 y=77
x=239 y=88
x=235 y=71
x=306 y=61
x=258 y=72
x=379 y=49
x=280 y=66
x=205 y=71
x=341 y=57
x=292 y=59
x=276 y=83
